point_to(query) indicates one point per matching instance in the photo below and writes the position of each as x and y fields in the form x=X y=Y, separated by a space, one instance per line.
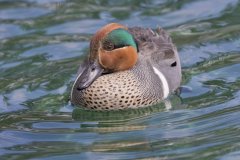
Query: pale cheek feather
x=164 y=82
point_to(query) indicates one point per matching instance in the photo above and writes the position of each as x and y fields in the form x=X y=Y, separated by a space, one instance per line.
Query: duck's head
x=112 y=49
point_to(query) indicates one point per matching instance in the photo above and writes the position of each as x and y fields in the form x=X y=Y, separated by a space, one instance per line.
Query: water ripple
x=42 y=44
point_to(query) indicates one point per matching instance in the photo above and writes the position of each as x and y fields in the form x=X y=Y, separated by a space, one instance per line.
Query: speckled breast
x=114 y=91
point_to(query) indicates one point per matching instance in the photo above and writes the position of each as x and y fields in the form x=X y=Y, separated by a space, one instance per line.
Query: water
x=42 y=43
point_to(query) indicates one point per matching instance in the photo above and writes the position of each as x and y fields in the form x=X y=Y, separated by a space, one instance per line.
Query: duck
x=127 y=67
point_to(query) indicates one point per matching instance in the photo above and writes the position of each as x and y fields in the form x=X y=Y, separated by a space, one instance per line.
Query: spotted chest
x=116 y=91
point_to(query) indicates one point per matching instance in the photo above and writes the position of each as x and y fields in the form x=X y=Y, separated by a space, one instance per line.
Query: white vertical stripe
x=168 y=104
x=164 y=82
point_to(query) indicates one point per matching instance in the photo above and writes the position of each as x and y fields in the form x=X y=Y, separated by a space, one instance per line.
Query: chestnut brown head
x=112 y=49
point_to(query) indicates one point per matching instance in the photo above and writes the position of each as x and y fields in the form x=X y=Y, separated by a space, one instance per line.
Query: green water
x=42 y=44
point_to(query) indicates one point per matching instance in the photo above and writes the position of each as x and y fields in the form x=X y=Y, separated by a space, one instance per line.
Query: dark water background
x=42 y=43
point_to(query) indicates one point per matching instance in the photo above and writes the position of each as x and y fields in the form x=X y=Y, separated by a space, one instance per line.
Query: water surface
x=42 y=44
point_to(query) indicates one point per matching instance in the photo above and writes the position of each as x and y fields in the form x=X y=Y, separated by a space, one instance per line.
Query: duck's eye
x=109 y=46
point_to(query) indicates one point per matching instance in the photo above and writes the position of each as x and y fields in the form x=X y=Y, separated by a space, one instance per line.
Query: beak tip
x=79 y=88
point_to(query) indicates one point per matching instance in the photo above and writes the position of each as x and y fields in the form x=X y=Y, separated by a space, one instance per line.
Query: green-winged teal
x=127 y=68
